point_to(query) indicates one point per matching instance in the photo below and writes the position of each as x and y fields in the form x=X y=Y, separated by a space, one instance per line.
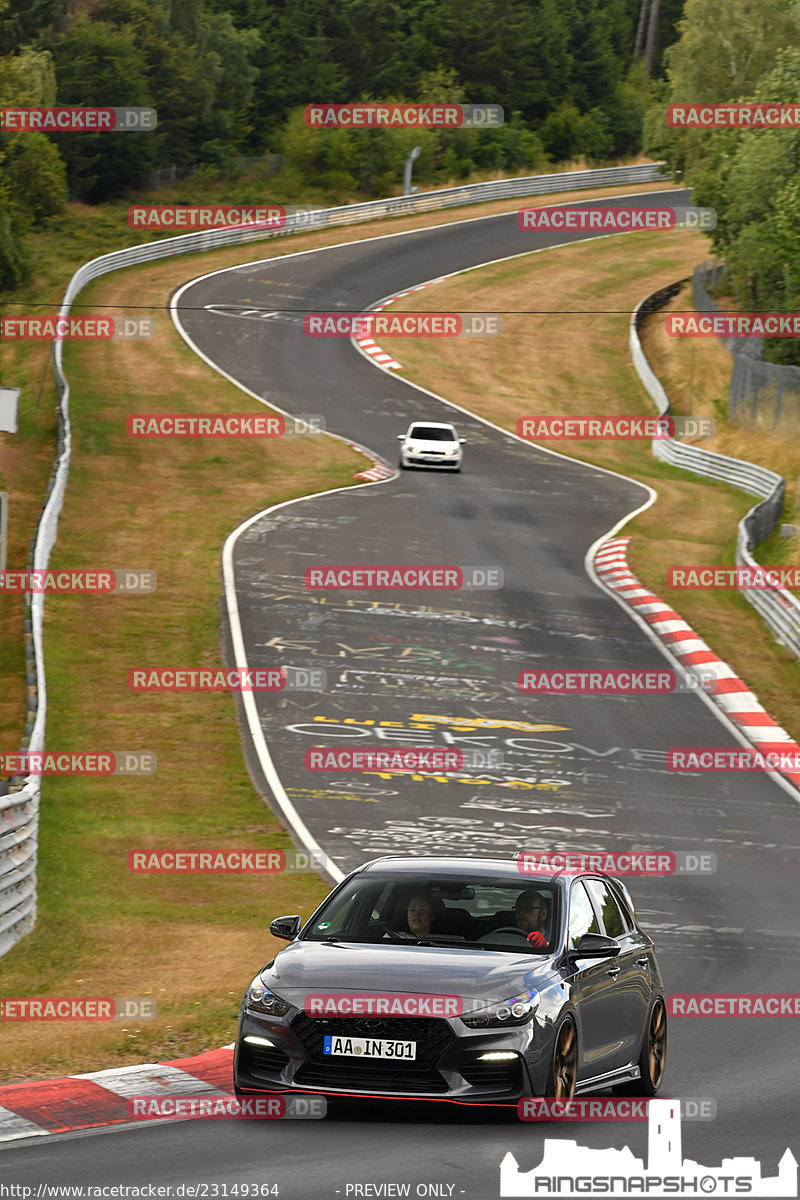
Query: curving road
x=440 y=669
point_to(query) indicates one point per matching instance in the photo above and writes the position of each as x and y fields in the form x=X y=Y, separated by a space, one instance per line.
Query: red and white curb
x=730 y=694
x=371 y=347
x=100 y=1098
x=381 y=470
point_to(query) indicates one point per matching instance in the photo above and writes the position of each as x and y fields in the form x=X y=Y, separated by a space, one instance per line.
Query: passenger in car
x=420 y=916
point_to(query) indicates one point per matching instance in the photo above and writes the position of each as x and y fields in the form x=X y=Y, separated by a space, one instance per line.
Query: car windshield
x=490 y=914
x=432 y=433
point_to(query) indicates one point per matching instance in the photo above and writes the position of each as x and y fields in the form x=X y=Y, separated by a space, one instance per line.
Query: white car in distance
x=431 y=444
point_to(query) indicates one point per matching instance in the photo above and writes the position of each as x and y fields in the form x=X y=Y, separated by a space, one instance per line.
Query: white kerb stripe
x=150 y=1079
x=13 y=1126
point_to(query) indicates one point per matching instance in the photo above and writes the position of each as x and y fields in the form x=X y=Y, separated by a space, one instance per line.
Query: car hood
x=356 y=968
x=424 y=444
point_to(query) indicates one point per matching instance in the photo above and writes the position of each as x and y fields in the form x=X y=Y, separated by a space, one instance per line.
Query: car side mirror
x=595 y=945
x=462 y=440
x=285 y=927
x=401 y=437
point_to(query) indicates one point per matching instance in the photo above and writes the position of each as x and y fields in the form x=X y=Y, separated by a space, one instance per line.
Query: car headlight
x=263 y=1000
x=517 y=1010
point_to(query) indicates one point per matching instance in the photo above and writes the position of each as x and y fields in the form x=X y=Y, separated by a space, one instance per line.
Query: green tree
x=32 y=176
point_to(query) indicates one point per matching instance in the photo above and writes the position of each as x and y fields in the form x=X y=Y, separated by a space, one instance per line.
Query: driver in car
x=530 y=914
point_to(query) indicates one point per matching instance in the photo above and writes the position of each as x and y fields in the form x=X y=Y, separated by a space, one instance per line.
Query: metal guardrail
x=761 y=393
x=778 y=607
x=19 y=799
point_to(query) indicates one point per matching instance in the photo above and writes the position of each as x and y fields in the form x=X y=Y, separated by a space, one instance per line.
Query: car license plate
x=369 y=1047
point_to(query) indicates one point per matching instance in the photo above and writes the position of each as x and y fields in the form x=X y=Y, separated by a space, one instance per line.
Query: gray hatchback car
x=457 y=979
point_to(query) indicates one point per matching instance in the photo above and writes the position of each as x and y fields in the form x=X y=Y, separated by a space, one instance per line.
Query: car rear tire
x=653 y=1056
x=563 y=1074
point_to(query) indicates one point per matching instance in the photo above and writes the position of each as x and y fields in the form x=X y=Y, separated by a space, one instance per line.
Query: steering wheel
x=505 y=929
x=384 y=927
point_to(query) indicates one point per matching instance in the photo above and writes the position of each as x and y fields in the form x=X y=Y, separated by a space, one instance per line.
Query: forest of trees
x=578 y=79
x=741 y=50
x=231 y=78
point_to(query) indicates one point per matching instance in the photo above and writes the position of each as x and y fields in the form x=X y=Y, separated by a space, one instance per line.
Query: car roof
x=450 y=867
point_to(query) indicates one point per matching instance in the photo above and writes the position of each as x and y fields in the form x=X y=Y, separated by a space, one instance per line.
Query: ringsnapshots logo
x=76 y=329
x=95 y=582
x=398 y=324
x=63 y=119
x=180 y=861
x=269 y=217
x=609 y=1108
x=237 y=679
x=77 y=1008
x=78 y=762
x=223 y=425
x=568 y=1169
x=404 y=116
x=402 y=578
x=733 y=116
x=733 y=324
x=228 y=1108
x=625 y=682
x=617 y=862
x=621 y=218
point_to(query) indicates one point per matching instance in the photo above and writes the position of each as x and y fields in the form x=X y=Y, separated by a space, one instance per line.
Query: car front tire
x=653 y=1056
x=563 y=1074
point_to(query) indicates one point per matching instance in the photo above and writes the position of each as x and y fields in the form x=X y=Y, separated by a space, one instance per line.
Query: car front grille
x=373 y=1074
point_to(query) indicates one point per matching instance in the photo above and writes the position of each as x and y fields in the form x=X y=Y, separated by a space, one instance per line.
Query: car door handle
x=643 y=962
x=613 y=972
